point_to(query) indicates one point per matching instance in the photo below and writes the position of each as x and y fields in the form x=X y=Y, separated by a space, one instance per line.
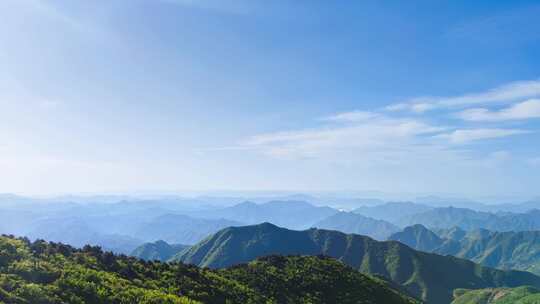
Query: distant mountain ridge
x=291 y=214
x=160 y=251
x=392 y=212
x=505 y=250
x=468 y=219
x=418 y=237
x=181 y=229
x=349 y=222
x=428 y=276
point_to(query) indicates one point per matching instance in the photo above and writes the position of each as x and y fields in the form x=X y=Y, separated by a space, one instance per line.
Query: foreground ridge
x=50 y=273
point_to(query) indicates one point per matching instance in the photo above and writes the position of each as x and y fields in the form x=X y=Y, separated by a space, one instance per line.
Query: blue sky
x=415 y=96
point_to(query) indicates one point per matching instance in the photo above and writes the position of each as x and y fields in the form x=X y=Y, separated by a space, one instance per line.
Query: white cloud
x=376 y=134
x=368 y=132
x=353 y=116
x=503 y=94
x=523 y=110
x=463 y=136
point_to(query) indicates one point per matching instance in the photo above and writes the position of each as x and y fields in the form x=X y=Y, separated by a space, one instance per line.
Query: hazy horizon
x=321 y=198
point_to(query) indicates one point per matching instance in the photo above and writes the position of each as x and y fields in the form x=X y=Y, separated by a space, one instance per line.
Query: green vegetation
x=418 y=237
x=520 y=295
x=504 y=250
x=160 y=250
x=295 y=279
x=51 y=273
x=429 y=277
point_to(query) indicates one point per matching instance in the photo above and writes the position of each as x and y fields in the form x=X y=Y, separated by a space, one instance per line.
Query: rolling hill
x=427 y=276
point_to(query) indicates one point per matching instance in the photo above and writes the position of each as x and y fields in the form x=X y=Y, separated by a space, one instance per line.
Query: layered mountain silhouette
x=181 y=229
x=393 y=212
x=349 y=222
x=468 y=219
x=290 y=214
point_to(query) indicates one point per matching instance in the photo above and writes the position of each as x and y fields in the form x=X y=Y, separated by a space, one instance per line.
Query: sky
x=130 y=95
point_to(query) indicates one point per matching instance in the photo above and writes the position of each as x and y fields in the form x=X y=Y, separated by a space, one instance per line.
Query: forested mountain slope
x=160 y=251
x=505 y=250
x=427 y=276
x=51 y=273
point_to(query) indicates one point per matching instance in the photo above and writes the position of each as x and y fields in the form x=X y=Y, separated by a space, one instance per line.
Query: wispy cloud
x=387 y=144
x=230 y=7
x=376 y=135
x=353 y=116
x=523 y=110
x=463 y=136
x=507 y=93
x=369 y=135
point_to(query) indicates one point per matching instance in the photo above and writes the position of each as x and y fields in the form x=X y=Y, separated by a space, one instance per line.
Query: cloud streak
x=358 y=134
x=507 y=93
x=524 y=110
x=370 y=135
x=353 y=116
x=463 y=136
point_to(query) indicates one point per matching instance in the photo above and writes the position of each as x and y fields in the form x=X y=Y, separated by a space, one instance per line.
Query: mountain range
x=392 y=212
x=181 y=229
x=157 y=251
x=109 y=221
x=427 y=276
x=349 y=222
x=468 y=219
x=290 y=214
x=505 y=250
